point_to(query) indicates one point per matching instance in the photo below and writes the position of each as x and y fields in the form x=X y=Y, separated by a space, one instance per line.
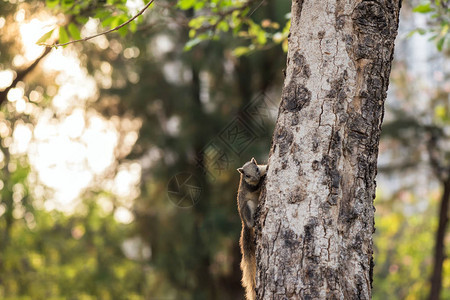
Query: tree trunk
x=439 y=249
x=316 y=218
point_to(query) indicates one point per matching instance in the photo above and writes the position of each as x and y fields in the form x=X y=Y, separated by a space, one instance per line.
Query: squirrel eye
x=247 y=176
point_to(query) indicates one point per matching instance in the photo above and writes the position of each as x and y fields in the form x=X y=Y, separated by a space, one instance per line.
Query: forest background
x=118 y=155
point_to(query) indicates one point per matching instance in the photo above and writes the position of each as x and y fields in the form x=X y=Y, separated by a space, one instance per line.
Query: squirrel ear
x=240 y=170
x=254 y=161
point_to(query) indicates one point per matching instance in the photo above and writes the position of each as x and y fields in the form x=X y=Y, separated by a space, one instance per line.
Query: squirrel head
x=252 y=173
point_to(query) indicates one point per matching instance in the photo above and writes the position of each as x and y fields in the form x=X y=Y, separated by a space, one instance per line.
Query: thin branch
x=256 y=8
x=21 y=75
x=102 y=33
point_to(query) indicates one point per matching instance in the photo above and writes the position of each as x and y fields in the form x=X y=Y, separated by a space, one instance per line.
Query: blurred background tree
x=98 y=137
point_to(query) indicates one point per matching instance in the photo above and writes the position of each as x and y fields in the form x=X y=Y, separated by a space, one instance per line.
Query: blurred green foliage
x=403 y=250
x=49 y=255
x=438 y=13
x=209 y=21
x=111 y=13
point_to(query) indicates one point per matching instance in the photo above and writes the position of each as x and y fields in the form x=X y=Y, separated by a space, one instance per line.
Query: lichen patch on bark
x=295 y=97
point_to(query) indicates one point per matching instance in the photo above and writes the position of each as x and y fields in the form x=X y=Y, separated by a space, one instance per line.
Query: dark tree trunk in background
x=439 y=249
x=316 y=218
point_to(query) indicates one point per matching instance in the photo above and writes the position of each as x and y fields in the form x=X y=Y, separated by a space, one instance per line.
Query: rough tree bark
x=316 y=215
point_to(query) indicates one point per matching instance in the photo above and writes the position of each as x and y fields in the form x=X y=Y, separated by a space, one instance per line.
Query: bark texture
x=316 y=219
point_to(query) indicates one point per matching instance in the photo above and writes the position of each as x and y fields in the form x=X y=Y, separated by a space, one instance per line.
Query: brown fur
x=252 y=176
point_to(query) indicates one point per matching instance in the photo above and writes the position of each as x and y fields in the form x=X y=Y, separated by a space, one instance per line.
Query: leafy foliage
x=111 y=14
x=50 y=255
x=213 y=18
x=403 y=250
x=439 y=18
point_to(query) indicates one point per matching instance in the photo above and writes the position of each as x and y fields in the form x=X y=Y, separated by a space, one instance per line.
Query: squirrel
x=252 y=176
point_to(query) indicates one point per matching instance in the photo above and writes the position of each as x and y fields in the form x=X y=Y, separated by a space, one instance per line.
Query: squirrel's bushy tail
x=248 y=262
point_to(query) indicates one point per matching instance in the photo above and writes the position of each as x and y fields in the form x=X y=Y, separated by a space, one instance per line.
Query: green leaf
x=51 y=3
x=107 y=22
x=444 y=29
x=239 y=51
x=67 y=3
x=420 y=31
x=102 y=14
x=223 y=26
x=191 y=43
x=433 y=37
x=63 y=36
x=123 y=31
x=115 y=22
x=81 y=20
x=197 y=22
x=423 y=8
x=440 y=112
x=284 y=45
x=20 y=174
x=133 y=26
x=261 y=37
x=45 y=37
x=123 y=8
x=186 y=4
x=440 y=43
x=74 y=32
x=199 y=5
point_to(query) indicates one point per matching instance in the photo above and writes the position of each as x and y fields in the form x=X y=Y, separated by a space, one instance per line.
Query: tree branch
x=21 y=75
x=102 y=33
